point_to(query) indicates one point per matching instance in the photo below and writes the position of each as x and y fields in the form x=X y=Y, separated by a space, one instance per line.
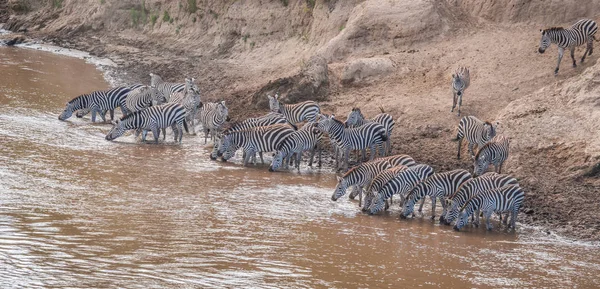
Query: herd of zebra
x=461 y=193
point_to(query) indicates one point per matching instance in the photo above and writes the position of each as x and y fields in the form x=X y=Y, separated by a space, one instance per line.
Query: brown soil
x=397 y=55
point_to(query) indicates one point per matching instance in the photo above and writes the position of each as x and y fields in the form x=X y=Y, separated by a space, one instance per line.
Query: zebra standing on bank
x=461 y=79
x=583 y=31
x=505 y=199
x=307 y=138
x=438 y=186
x=295 y=113
x=189 y=98
x=259 y=139
x=166 y=88
x=152 y=119
x=370 y=135
x=356 y=118
x=213 y=119
x=401 y=184
x=97 y=102
x=475 y=131
x=471 y=188
x=494 y=152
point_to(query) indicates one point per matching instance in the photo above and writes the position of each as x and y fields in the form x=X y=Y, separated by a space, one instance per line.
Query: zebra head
x=215 y=152
x=325 y=122
x=157 y=96
x=354 y=117
x=480 y=164
x=490 y=130
x=377 y=204
x=68 y=112
x=462 y=221
x=277 y=161
x=452 y=212
x=191 y=86
x=545 y=41
x=155 y=79
x=222 y=110
x=340 y=188
x=457 y=84
x=227 y=148
x=411 y=199
x=274 y=104
x=116 y=131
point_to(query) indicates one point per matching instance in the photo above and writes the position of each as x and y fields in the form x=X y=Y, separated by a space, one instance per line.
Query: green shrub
x=285 y=2
x=153 y=19
x=135 y=17
x=192 y=7
x=102 y=1
x=57 y=3
x=167 y=17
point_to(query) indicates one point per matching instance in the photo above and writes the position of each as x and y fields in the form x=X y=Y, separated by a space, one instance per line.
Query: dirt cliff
x=372 y=53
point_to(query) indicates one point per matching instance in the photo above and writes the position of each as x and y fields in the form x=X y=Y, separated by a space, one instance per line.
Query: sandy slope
x=395 y=54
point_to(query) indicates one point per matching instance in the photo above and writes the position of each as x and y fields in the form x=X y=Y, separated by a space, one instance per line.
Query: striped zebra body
x=394 y=161
x=438 y=186
x=582 y=32
x=258 y=139
x=152 y=119
x=122 y=97
x=475 y=131
x=359 y=176
x=295 y=113
x=401 y=184
x=97 y=102
x=505 y=199
x=189 y=98
x=378 y=182
x=142 y=98
x=166 y=88
x=357 y=119
x=495 y=152
x=370 y=135
x=305 y=139
x=471 y=188
x=212 y=117
x=460 y=81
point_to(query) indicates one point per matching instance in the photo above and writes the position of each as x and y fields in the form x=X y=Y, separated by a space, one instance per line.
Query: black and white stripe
x=254 y=140
x=152 y=119
x=475 y=131
x=359 y=176
x=142 y=98
x=122 y=100
x=583 y=31
x=212 y=117
x=295 y=113
x=357 y=119
x=189 y=98
x=401 y=184
x=438 y=186
x=505 y=199
x=461 y=79
x=166 y=88
x=494 y=152
x=471 y=188
x=394 y=161
x=97 y=102
x=305 y=139
x=370 y=135
x=378 y=182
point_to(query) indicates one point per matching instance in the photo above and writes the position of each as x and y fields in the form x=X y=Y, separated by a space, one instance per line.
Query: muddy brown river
x=77 y=211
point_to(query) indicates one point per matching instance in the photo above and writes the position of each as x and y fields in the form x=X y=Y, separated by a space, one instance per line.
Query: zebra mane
x=554 y=29
x=481 y=149
x=350 y=171
x=338 y=121
x=130 y=115
x=78 y=98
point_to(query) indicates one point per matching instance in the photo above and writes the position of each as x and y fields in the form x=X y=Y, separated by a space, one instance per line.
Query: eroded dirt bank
x=395 y=54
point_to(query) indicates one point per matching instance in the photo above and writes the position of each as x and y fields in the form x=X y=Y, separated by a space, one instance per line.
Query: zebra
x=378 y=182
x=152 y=119
x=97 y=102
x=369 y=135
x=401 y=184
x=189 y=98
x=359 y=176
x=505 y=199
x=583 y=31
x=395 y=161
x=295 y=113
x=212 y=117
x=307 y=138
x=471 y=188
x=475 y=131
x=122 y=103
x=461 y=79
x=437 y=186
x=143 y=97
x=258 y=139
x=166 y=88
x=356 y=118
x=494 y=152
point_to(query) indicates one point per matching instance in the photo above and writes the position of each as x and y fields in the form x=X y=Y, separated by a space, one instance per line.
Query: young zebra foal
x=494 y=152
x=583 y=31
x=505 y=199
x=460 y=81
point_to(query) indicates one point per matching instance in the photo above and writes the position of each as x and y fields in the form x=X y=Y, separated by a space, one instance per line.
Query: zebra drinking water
x=258 y=139
x=295 y=113
x=461 y=79
x=122 y=103
x=166 y=88
x=152 y=119
x=370 y=135
x=437 y=186
x=359 y=176
x=494 y=152
x=378 y=182
x=307 y=138
x=475 y=131
x=97 y=102
x=356 y=118
x=583 y=31
x=499 y=200
x=471 y=188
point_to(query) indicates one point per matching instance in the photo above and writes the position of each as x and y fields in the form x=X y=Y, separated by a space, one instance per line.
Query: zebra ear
x=223 y=102
x=453 y=76
x=339 y=179
x=276 y=96
x=332 y=116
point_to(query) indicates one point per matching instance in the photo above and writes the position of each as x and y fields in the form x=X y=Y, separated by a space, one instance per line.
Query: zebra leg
x=364 y=155
x=346 y=155
x=488 y=217
x=433 y=201
x=561 y=51
x=373 y=152
x=421 y=205
x=573 y=56
x=453 y=101
x=312 y=157
x=156 y=133
x=460 y=102
x=471 y=149
x=262 y=161
x=513 y=219
x=112 y=114
x=298 y=160
x=144 y=134
x=247 y=157
x=360 y=196
x=444 y=208
x=164 y=131
x=93 y=115
x=320 y=154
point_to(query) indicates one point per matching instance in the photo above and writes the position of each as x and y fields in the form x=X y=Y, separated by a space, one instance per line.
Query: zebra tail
x=185 y=126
